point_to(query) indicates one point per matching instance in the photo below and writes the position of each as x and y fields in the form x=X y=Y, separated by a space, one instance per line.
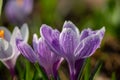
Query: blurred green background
x=84 y=14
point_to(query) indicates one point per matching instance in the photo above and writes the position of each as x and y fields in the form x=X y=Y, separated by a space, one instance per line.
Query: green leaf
x=36 y=76
x=41 y=72
x=20 y=68
x=1 y=1
x=27 y=71
x=96 y=70
x=87 y=70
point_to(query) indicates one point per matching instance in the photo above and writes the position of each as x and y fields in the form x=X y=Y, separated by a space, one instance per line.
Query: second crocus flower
x=42 y=54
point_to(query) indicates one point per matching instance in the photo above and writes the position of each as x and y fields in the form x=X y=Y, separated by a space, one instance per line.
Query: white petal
x=25 y=32
x=16 y=34
x=5 y=50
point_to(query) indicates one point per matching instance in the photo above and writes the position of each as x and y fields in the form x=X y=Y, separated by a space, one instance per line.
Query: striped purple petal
x=68 y=41
x=26 y=50
x=47 y=59
x=69 y=24
x=89 y=45
x=51 y=37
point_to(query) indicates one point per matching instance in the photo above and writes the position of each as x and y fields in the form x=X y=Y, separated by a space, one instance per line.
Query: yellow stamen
x=20 y=2
x=1 y=33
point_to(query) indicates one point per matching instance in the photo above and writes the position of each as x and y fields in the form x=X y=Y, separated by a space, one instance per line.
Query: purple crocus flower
x=18 y=10
x=72 y=45
x=41 y=54
x=8 y=50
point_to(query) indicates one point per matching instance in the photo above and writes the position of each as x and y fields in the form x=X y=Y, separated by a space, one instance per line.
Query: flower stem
x=13 y=74
x=72 y=70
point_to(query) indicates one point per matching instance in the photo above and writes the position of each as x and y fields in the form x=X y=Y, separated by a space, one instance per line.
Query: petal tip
x=25 y=26
x=35 y=35
x=102 y=31
x=103 y=28
x=43 y=26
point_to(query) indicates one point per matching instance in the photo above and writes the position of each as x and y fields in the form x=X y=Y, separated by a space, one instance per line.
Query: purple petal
x=88 y=32
x=47 y=59
x=69 y=24
x=68 y=41
x=89 y=46
x=71 y=64
x=85 y=33
x=101 y=32
x=51 y=37
x=7 y=33
x=44 y=52
x=26 y=50
x=44 y=57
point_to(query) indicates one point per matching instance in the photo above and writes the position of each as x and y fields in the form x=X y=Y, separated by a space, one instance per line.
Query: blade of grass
x=27 y=71
x=87 y=70
x=41 y=72
x=84 y=70
x=20 y=68
x=96 y=70
x=36 y=76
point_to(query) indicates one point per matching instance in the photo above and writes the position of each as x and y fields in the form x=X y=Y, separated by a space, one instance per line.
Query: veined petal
x=85 y=33
x=7 y=33
x=6 y=51
x=25 y=32
x=44 y=50
x=51 y=37
x=101 y=32
x=26 y=50
x=89 y=46
x=69 y=24
x=16 y=34
x=88 y=32
x=47 y=59
x=68 y=41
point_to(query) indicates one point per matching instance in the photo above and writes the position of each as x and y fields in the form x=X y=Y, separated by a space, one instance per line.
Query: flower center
x=20 y=2
x=1 y=33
